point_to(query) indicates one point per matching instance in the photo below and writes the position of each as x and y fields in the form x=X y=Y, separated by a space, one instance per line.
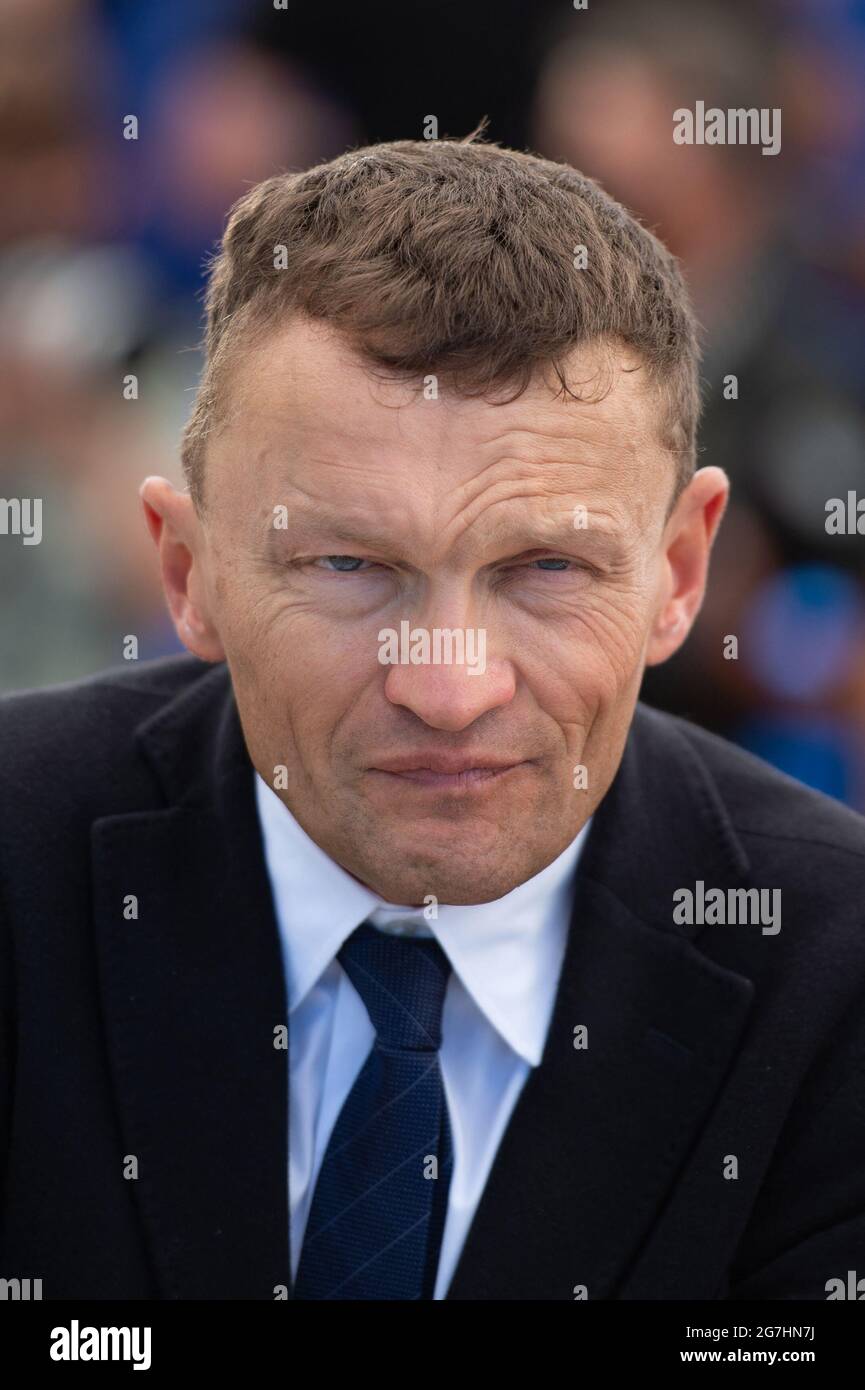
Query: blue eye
x=551 y=562
x=343 y=564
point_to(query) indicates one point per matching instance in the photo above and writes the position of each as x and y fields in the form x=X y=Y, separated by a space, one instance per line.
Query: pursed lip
x=448 y=772
x=449 y=763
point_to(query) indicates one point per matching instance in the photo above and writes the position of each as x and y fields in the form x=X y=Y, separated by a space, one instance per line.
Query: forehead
x=307 y=411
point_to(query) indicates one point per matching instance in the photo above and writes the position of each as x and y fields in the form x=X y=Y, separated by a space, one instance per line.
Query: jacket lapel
x=599 y=1134
x=193 y=990
x=192 y=993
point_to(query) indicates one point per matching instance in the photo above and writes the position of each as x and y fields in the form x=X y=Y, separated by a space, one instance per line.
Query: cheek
x=583 y=662
x=272 y=640
x=299 y=675
x=612 y=638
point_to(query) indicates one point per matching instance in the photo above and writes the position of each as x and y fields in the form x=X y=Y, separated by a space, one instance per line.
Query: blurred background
x=103 y=241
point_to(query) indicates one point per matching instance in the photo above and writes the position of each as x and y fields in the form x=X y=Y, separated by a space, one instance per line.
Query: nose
x=450 y=697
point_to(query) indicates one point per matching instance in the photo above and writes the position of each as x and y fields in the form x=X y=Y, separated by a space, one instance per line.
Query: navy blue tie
x=375 y=1225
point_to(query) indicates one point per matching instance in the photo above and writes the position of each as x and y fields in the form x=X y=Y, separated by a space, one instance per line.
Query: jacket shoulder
x=762 y=802
x=58 y=740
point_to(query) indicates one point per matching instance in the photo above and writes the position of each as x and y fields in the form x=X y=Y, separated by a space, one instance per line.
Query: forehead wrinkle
x=310 y=477
x=566 y=446
x=616 y=506
x=537 y=458
x=524 y=478
x=571 y=444
x=380 y=521
x=336 y=525
x=546 y=458
x=539 y=527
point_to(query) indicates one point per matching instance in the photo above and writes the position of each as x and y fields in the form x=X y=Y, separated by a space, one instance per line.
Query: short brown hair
x=452 y=257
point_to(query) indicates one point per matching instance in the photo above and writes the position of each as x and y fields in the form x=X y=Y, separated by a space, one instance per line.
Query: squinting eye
x=550 y=562
x=343 y=564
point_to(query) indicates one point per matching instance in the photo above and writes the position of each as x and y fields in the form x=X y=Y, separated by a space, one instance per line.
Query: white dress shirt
x=506 y=957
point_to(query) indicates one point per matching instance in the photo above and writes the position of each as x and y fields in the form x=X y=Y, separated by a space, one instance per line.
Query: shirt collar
x=507 y=953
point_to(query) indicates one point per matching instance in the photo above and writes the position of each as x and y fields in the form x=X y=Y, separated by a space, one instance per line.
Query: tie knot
x=402 y=982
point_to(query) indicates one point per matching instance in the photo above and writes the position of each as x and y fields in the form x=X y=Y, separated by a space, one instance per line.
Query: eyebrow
x=541 y=534
x=312 y=525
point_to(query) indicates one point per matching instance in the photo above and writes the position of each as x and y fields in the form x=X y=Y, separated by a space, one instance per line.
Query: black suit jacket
x=153 y=1037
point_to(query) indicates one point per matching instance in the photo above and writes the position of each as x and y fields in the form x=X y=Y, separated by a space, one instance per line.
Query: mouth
x=449 y=774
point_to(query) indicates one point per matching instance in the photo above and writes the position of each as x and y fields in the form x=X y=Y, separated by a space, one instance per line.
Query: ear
x=177 y=534
x=686 y=545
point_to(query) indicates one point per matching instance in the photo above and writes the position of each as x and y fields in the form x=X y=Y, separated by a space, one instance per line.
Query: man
x=385 y=947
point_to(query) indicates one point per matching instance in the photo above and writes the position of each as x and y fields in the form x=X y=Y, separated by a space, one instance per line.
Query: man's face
x=340 y=506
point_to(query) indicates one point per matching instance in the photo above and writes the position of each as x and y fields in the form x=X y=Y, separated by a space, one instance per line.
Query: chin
x=453 y=884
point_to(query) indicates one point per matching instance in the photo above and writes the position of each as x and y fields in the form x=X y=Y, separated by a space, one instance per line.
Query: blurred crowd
x=104 y=237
